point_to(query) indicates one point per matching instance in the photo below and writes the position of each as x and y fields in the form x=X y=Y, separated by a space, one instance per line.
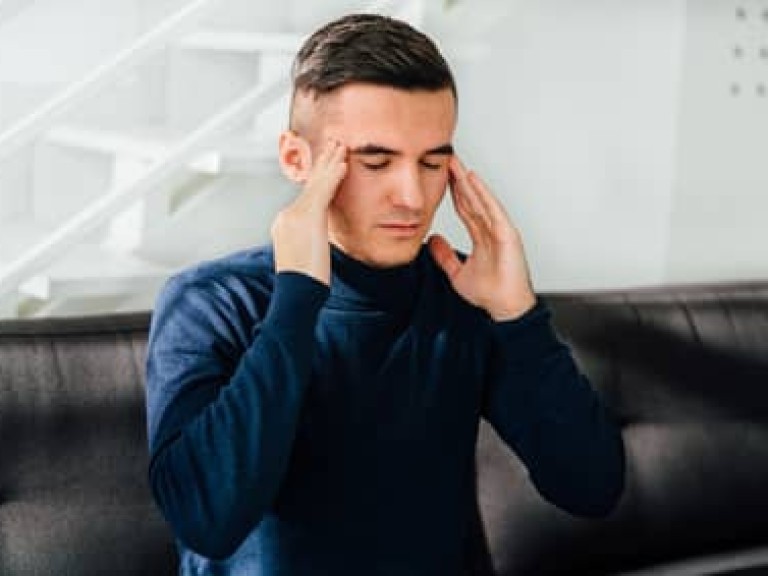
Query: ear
x=295 y=157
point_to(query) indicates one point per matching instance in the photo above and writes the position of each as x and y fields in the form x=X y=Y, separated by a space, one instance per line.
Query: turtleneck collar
x=361 y=285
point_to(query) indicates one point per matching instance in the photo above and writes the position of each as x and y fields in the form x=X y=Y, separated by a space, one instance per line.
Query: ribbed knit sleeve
x=224 y=394
x=547 y=412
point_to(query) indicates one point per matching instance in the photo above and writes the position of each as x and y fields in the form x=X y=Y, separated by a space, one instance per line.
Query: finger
x=465 y=187
x=340 y=160
x=493 y=207
x=470 y=220
x=494 y=218
x=472 y=214
x=444 y=255
x=327 y=172
x=336 y=152
x=337 y=161
x=328 y=153
x=458 y=182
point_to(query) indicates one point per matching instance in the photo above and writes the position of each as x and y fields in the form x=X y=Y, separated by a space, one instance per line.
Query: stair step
x=243 y=42
x=93 y=271
x=149 y=144
x=241 y=154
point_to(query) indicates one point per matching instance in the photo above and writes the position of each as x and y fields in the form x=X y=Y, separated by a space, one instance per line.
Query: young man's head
x=382 y=89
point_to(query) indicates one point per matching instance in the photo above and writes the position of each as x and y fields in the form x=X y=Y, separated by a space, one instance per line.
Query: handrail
x=100 y=211
x=27 y=127
x=79 y=226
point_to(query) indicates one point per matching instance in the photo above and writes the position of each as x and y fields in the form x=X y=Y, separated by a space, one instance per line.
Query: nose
x=407 y=191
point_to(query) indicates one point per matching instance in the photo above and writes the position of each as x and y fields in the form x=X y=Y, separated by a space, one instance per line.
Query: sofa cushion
x=686 y=370
x=73 y=453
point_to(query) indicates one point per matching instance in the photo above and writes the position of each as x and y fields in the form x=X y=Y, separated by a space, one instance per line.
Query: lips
x=401 y=228
x=404 y=225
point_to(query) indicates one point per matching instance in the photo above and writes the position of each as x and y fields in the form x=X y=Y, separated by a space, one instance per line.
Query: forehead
x=360 y=114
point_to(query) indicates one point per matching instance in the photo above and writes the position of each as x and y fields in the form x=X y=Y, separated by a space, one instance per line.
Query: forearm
x=548 y=413
x=218 y=462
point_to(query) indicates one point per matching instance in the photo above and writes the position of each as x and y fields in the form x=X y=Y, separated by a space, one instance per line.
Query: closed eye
x=376 y=165
x=431 y=165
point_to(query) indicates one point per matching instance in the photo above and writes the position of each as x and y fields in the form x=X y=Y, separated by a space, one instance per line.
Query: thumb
x=444 y=255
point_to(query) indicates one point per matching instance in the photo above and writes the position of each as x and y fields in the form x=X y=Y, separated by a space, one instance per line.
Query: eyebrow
x=375 y=149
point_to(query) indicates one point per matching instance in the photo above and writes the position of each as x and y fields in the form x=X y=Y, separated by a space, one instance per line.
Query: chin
x=395 y=255
x=380 y=252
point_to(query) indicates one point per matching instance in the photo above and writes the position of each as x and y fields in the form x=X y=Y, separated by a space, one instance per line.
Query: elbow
x=601 y=499
x=590 y=486
x=596 y=500
x=614 y=490
x=212 y=531
x=209 y=544
x=601 y=471
x=613 y=475
x=602 y=484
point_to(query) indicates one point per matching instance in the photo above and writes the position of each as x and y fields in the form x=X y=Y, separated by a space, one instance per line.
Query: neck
x=378 y=287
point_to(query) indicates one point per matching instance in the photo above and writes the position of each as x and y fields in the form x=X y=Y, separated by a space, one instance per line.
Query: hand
x=495 y=275
x=300 y=230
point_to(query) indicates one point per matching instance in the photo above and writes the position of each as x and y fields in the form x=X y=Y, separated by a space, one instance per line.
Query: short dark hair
x=373 y=49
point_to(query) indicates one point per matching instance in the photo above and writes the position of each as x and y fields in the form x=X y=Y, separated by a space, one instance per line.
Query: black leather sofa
x=685 y=368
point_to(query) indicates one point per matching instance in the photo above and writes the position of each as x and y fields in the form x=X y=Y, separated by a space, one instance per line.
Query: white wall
x=719 y=226
x=609 y=128
x=52 y=41
x=568 y=109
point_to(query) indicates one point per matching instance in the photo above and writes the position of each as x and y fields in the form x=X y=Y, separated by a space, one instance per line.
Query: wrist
x=512 y=308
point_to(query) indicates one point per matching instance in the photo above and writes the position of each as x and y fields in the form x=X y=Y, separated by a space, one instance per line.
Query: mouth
x=401 y=228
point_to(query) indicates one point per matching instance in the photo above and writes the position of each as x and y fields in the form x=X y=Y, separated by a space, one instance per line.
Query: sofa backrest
x=74 y=498
x=686 y=370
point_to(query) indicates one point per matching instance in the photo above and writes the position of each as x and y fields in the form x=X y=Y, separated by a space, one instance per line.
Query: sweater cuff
x=296 y=301
x=525 y=340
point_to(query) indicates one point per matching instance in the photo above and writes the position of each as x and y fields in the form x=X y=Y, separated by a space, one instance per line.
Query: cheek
x=364 y=188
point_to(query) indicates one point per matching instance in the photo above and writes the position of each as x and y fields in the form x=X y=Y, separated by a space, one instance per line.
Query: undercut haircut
x=371 y=49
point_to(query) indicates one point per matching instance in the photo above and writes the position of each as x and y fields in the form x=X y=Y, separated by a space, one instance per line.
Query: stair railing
x=118 y=198
x=41 y=118
x=101 y=210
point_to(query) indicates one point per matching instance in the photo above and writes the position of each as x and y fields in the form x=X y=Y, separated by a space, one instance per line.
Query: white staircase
x=162 y=155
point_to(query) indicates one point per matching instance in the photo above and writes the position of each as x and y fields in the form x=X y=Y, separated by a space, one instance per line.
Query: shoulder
x=255 y=265
x=239 y=272
x=239 y=283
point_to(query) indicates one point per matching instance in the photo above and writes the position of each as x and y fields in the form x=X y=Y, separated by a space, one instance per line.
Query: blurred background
x=627 y=138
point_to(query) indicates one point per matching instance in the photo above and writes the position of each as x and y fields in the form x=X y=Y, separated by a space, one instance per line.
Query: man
x=313 y=405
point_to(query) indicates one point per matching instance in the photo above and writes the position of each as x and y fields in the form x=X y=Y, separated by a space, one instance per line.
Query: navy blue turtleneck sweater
x=300 y=430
